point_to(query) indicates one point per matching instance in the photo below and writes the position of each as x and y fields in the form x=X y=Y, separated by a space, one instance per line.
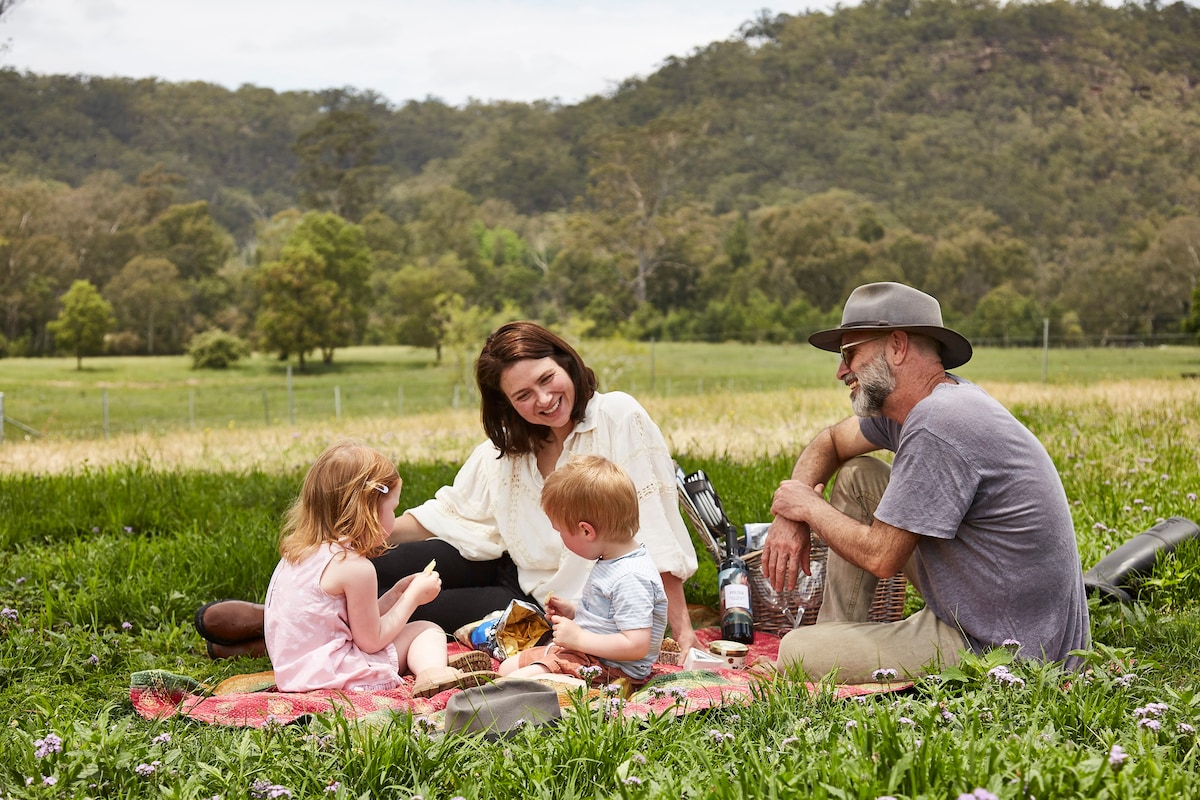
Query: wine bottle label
x=736 y=595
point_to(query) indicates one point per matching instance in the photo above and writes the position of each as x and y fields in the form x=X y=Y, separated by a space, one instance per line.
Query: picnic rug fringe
x=251 y=700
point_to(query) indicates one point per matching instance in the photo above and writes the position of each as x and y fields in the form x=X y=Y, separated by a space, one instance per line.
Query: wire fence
x=59 y=409
x=107 y=412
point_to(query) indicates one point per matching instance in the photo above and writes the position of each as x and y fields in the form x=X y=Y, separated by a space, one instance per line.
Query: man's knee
x=859 y=486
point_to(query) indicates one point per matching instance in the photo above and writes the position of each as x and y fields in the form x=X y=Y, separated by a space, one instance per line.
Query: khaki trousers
x=842 y=643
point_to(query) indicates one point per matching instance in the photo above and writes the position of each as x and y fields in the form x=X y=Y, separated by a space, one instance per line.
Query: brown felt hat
x=895 y=307
x=502 y=708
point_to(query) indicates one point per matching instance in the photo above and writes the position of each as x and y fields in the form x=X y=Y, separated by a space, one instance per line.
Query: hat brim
x=956 y=350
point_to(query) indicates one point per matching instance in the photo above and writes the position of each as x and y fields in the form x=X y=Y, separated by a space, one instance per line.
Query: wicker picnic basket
x=776 y=612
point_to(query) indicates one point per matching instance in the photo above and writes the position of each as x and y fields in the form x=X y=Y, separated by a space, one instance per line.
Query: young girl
x=325 y=627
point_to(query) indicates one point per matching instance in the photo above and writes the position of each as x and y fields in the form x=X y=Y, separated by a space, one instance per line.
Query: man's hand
x=795 y=500
x=785 y=553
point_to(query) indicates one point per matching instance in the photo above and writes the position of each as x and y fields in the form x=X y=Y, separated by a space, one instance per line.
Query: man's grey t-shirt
x=997 y=555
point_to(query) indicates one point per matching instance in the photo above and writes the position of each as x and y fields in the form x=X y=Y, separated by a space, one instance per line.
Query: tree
x=148 y=297
x=317 y=294
x=188 y=237
x=337 y=170
x=408 y=300
x=85 y=319
x=296 y=302
x=638 y=172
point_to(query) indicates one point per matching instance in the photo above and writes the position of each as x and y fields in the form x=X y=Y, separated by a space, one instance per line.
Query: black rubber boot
x=1117 y=575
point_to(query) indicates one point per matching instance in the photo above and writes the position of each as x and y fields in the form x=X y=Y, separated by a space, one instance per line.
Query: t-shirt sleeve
x=463 y=514
x=931 y=488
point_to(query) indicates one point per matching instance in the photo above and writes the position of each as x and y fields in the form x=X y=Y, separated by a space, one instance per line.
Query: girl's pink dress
x=308 y=633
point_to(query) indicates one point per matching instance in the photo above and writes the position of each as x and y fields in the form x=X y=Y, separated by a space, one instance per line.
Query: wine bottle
x=733 y=588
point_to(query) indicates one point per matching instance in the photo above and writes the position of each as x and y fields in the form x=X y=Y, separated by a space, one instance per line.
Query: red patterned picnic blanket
x=252 y=701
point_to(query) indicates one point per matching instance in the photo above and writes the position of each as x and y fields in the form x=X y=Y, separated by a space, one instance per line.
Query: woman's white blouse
x=495 y=506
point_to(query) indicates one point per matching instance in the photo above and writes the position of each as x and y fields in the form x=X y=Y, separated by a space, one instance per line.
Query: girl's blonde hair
x=593 y=489
x=339 y=502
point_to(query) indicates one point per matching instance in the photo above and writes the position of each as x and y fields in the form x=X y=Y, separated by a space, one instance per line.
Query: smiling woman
x=491 y=539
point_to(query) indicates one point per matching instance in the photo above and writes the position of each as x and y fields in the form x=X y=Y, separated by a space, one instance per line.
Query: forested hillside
x=1023 y=162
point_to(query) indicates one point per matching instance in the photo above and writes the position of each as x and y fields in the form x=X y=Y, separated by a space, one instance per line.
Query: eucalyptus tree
x=85 y=319
x=317 y=294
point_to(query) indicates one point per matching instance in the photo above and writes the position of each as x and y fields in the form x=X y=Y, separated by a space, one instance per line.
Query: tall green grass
x=103 y=568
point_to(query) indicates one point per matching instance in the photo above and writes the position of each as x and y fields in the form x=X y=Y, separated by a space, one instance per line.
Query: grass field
x=115 y=396
x=107 y=547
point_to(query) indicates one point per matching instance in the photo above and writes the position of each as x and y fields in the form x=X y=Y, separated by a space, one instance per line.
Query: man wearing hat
x=972 y=508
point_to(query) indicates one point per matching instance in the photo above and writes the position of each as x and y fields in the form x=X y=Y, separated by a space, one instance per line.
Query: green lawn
x=115 y=395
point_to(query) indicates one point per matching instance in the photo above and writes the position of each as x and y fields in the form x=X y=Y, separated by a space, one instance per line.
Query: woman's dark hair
x=508 y=344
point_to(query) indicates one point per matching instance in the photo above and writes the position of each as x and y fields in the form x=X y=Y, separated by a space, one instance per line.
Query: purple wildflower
x=1116 y=757
x=93 y=659
x=162 y=738
x=146 y=770
x=612 y=707
x=266 y=789
x=1001 y=674
x=49 y=780
x=126 y=626
x=1151 y=710
x=632 y=780
x=9 y=613
x=44 y=747
x=719 y=737
x=887 y=674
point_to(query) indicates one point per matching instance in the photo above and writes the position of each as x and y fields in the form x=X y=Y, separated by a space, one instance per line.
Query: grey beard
x=875 y=384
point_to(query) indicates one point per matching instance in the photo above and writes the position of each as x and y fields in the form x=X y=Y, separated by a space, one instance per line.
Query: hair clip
x=381 y=488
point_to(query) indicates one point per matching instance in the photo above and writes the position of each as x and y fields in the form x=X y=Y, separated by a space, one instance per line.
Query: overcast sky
x=454 y=50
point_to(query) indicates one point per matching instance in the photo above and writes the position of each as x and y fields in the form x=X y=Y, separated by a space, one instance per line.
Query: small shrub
x=124 y=343
x=216 y=349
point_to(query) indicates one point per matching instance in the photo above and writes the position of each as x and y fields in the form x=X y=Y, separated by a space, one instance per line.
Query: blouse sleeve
x=464 y=513
x=635 y=442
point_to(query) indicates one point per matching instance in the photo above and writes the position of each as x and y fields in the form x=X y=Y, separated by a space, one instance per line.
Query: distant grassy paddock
x=154 y=395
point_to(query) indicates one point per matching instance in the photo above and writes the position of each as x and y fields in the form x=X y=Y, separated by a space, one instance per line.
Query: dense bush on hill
x=1025 y=161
